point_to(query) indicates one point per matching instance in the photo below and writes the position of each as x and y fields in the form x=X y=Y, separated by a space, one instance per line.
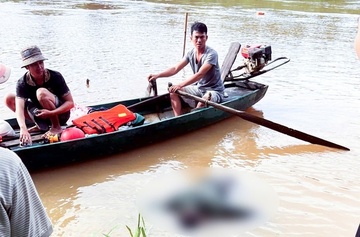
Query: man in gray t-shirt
x=206 y=80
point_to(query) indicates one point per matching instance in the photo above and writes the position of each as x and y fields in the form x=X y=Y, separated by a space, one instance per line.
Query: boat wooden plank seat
x=14 y=140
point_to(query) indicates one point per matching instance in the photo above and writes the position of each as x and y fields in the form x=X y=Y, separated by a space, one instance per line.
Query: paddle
x=266 y=123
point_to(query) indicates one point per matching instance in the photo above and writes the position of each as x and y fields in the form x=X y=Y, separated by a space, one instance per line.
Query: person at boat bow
x=5 y=128
x=42 y=96
x=357 y=39
x=206 y=81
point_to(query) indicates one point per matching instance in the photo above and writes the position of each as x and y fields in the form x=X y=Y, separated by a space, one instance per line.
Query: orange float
x=71 y=134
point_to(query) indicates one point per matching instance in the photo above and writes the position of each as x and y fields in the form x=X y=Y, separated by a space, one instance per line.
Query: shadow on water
x=245 y=141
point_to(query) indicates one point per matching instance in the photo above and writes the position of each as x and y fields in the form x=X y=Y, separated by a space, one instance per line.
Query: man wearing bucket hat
x=42 y=95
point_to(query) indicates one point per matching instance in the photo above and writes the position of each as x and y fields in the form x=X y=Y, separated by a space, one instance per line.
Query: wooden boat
x=160 y=124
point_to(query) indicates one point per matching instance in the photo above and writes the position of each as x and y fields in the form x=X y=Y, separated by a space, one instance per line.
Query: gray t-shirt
x=212 y=79
x=21 y=210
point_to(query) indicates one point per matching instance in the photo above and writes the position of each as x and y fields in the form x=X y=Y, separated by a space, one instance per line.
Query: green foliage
x=140 y=230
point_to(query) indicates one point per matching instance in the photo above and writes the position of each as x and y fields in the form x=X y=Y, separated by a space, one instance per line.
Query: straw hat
x=4 y=73
x=31 y=54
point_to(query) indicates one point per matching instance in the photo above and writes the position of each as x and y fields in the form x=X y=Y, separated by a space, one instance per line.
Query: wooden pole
x=185 y=27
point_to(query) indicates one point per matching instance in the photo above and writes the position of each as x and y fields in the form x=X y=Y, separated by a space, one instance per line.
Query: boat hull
x=40 y=156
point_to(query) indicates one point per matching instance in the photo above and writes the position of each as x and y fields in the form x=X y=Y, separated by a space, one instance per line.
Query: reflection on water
x=307 y=6
x=116 y=44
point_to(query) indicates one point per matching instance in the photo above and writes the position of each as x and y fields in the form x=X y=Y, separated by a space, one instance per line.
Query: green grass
x=140 y=230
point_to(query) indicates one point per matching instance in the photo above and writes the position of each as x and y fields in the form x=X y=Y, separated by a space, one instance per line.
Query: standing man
x=21 y=210
x=206 y=80
x=42 y=95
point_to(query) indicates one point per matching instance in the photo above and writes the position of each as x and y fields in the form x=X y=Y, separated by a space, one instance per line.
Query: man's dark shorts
x=63 y=118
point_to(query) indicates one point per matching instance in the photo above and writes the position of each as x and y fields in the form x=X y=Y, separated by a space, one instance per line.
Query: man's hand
x=25 y=138
x=174 y=88
x=153 y=77
x=43 y=113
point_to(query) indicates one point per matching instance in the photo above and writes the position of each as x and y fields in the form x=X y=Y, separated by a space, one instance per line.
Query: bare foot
x=52 y=132
x=207 y=97
x=55 y=130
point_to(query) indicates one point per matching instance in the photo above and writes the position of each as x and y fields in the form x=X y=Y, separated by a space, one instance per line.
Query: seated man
x=206 y=81
x=42 y=95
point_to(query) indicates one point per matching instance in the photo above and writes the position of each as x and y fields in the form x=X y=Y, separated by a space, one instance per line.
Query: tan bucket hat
x=5 y=72
x=31 y=54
